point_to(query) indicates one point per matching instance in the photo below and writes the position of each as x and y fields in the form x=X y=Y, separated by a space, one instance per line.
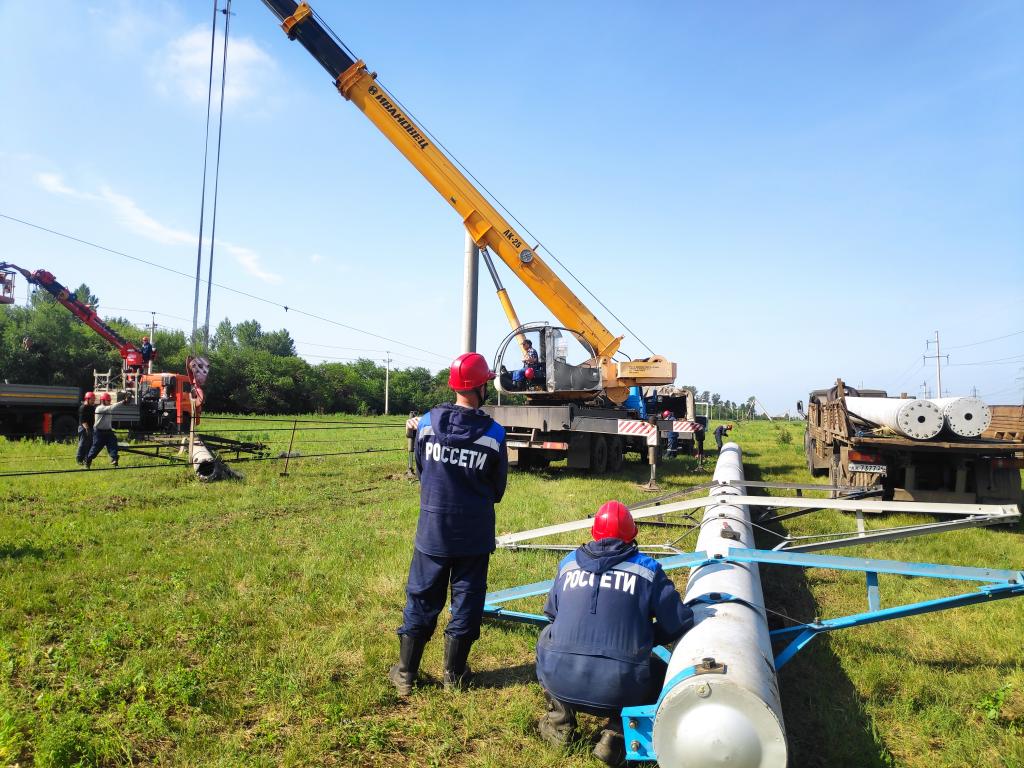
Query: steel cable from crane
x=202 y=200
x=222 y=286
x=216 y=178
x=455 y=160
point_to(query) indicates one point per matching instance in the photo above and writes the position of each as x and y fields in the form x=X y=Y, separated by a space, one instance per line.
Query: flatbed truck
x=38 y=410
x=957 y=470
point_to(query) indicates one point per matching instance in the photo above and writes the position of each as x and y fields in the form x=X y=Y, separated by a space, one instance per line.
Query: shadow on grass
x=21 y=551
x=825 y=720
x=505 y=677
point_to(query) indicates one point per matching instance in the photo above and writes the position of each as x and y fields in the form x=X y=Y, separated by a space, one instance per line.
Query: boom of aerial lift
x=487 y=227
x=153 y=402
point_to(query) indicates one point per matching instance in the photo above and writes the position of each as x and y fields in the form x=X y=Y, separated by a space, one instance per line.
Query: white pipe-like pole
x=965 y=416
x=731 y=717
x=916 y=419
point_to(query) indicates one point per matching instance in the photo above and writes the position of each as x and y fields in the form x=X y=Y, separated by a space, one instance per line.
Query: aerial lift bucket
x=6 y=287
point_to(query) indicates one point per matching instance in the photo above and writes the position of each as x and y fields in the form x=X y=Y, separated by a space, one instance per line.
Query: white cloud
x=316 y=258
x=183 y=68
x=54 y=184
x=141 y=223
x=131 y=215
x=250 y=262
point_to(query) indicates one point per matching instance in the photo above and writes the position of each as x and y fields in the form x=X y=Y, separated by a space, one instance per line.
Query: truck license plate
x=856 y=466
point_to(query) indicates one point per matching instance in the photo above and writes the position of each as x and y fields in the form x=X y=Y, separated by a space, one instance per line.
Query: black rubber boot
x=403 y=674
x=558 y=726
x=457 y=673
x=611 y=746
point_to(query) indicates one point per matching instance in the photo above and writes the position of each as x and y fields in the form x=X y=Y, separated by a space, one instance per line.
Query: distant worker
x=673 y=437
x=531 y=362
x=103 y=432
x=86 y=418
x=463 y=467
x=148 y=354
x=595 y=656
x=698 y=441
x=721 y=431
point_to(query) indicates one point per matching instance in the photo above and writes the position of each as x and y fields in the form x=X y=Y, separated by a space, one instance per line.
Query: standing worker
x=595 y=656
x=463 y=466
x=103 y=432
x=698 y=440
x=86 y=417
x=673 y=436
x=721 y=431
x=148 y=353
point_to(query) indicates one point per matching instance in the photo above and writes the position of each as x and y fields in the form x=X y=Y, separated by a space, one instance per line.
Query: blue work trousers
x=427 y=589
x=103 y=438
x=84 y=443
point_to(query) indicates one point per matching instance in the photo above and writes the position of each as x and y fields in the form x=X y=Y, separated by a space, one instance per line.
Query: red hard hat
x=613 y=521
x=89 y=397
x=666 y=414
x=469 y=371
x=105 y=397
x=529 y=373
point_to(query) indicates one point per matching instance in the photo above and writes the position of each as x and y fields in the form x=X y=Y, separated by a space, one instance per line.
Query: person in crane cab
x=609 y=606
x=86 y=418
x=103 y=432
x=522 y=378
x=463 y=467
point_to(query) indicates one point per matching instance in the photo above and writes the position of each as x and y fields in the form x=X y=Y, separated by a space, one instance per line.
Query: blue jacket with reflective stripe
x=463 y=467
x=609 y=605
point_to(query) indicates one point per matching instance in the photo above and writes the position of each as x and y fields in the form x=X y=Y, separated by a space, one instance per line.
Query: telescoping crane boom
x=487 y=227
x=130 y=354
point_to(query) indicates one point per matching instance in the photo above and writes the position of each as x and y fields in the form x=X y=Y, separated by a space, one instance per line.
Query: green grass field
x=147 y=619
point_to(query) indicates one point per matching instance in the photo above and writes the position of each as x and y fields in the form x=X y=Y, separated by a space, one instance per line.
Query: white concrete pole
x=733 y=715
x=916 y=419
x=387 y=381
x=469 y=294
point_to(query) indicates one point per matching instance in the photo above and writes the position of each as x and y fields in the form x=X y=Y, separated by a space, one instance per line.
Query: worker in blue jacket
x=609 y=606
x=463 y=466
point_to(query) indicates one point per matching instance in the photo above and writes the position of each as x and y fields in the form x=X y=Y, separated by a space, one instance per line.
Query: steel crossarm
x=868 y=564
x=804 y=633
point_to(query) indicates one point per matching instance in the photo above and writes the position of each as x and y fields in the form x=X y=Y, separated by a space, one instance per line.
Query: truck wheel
x=809 y=450
x=616 y=458
x=598 y=454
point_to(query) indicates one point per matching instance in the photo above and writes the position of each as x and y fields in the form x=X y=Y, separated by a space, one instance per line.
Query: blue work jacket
x=609 y=606
x=463 y=468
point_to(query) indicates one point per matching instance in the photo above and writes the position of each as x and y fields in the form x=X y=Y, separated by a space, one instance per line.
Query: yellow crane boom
x=485 y=224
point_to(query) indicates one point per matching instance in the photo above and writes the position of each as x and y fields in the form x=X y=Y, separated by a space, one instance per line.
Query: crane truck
x=146 y=402
x=574 y=410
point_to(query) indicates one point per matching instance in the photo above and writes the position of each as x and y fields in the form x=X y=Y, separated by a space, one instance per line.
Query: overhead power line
x=986 y=341
x=237 y=291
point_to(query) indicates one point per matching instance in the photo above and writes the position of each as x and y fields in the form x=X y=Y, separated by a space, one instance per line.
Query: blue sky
x=715 y=173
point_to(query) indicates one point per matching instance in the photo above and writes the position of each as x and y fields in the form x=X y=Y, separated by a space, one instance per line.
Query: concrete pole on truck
x=471 y=273
x=721 y=704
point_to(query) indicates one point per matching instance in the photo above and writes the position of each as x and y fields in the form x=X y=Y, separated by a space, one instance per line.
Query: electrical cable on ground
x=237 y=291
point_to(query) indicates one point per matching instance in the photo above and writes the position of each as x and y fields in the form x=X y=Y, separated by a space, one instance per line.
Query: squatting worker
x=463 y=466
x=595 y=656
x=86 y=418
x=103 y=432
x=721 y=431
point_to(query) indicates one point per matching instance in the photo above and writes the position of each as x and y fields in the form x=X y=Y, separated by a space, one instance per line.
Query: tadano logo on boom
x=401 y=119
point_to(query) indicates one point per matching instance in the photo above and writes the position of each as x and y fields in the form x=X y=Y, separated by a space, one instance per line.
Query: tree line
x=251 y=370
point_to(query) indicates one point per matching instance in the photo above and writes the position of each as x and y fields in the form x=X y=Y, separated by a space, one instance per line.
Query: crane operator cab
x=534 y=360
